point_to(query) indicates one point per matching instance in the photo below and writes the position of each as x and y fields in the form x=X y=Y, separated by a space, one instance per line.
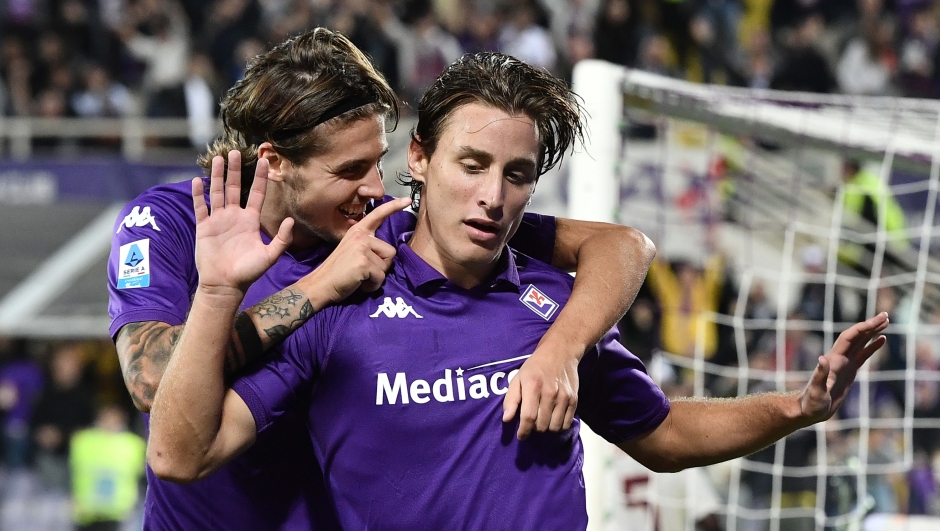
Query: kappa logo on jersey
x=139 y=218
x=538 y=302
x=134 y=265
x=397 y=309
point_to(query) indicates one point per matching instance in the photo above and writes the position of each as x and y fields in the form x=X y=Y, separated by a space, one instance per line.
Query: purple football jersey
x=404 y=389
x=277 y=484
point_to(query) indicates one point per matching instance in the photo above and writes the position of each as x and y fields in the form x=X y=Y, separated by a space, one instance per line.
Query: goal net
x=780 y=219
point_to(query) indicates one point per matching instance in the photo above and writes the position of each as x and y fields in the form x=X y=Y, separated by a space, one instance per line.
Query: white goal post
x=783 y=195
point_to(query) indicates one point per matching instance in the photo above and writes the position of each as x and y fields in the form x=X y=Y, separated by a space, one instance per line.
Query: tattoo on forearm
x=288 y=309
x=278 y=306
x=145 y=350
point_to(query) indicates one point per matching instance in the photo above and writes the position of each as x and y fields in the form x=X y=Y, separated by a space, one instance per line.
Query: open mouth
x=355 y=213
x=483 y=227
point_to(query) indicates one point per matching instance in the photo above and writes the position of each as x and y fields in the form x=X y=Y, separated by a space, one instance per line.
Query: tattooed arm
x=144 y=348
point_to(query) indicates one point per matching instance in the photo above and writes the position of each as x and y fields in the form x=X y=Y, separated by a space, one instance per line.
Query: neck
x=464 y=274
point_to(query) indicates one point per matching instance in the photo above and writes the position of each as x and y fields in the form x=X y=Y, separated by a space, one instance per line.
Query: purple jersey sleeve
x=151 y=268
x=272 y=387
x=535 y=236
x=618 y=399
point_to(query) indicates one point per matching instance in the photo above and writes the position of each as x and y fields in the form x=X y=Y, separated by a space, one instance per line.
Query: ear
x=417 y=162
x=277 y=165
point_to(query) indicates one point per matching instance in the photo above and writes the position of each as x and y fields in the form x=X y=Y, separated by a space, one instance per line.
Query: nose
x=490 y=194
x=371 y=185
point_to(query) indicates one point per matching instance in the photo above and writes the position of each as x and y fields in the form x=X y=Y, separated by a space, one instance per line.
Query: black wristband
x=248 y=336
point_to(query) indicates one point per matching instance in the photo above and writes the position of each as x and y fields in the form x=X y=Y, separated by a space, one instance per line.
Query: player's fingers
x=373 y=282
x=233 y=180
x=569 y=413
x=559 y=411
x=383 y=250
x=547 y=404
x=511 y=400
x=869 y=350
x=529 y=409
x=283 y=238
x=377 y=216
x=217 y=183
x=199 y=200
x=258 y=185
x=819 y=380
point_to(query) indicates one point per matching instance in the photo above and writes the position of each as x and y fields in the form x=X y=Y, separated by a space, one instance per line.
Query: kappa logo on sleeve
x=538 y=302
x=134 y=265
x=139 y=218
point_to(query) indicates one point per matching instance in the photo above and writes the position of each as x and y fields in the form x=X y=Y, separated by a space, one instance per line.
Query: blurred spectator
x=52 y=103
x=869 y=62
x=918 y=55
x=523 y=37
x=246 y=50
x=361 y=21
x=656 y=56
x=803 y=67
x=165 y=52
x=229 y=23
x=759 y=308
x=424 y=47
x=100 y=96
x=865 y=198
x=107 y=463
x=21 y=381
x=64 y=407
x=52 y=67
x=639 y=328
x=480 y=30
x=617 y=34
x=812 y=303
x=926 y=398
x=202 y=93
x=922 y=485
x=686 y=293
x=882 y=451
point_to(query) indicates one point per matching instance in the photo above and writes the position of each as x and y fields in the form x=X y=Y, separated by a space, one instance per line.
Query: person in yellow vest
x=686 y=294
x=107 y=462
x=865 y=197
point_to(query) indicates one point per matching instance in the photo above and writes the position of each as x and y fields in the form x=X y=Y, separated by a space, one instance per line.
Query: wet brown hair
x=311 y=79
x=508 y=84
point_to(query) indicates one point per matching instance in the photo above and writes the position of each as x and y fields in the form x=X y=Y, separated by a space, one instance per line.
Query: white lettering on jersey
x=139 y=218
x=452 y=387
x=398 y=309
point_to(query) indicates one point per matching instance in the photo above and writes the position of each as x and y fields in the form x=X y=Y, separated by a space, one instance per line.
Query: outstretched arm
x=699 y=432
x=612 y=261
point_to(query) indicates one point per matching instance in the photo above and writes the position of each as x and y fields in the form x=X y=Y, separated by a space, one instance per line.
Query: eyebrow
x=483 y=156
x=355 y=163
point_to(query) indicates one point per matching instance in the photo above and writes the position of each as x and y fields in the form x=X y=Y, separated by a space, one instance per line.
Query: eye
x=472 y=167
x=519 y=178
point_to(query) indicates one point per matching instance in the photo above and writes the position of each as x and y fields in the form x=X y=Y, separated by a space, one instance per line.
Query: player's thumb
x=284 y=237
x=818 y=382
x=512 y=400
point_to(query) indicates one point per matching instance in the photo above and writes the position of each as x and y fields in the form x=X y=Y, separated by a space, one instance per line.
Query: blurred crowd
x=71 y=443
x=673 y=314
x=175 y=58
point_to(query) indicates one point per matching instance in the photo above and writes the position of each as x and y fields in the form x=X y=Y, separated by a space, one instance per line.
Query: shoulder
x=533 y=269
x=157 y=207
